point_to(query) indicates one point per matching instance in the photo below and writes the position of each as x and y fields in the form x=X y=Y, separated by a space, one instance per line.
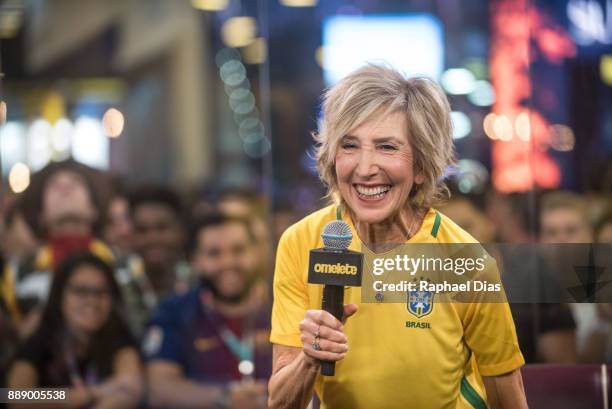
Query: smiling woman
x=384 y=145
x=371 y=168
x=82 y=342
x=414 y=112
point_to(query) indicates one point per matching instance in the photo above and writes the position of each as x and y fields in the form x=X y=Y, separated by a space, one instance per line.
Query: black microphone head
x=337 y=235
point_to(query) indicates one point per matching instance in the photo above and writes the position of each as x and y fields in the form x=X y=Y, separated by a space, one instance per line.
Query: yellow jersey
x=434 y=362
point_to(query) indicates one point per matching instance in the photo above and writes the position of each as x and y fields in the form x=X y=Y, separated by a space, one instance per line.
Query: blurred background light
x=38 y=145
x=2 y=112
x=461 y=125
x=232 y=73
x=502 y=127
x=241 y=94
x=258 y=148
x=483 y=94
x=11 y=18
x=458 y=81
x=605 y=69
x=113 y=122
x=299 y=3
x=471 y=177
x=89 y=143
x=588 y=24
x=19 y=177
x=226 y=54
x=251 y=129
x=487 y=125
x=242 y=101
x=239 y=118
x=478 y=67
x=256 y=52
x=61 y=135
x=411 y=43
x=244 y=84
x=562 y=138
x=319 y=57
x=12 y=145
x=209 y=5
x=53 y=106
x=253 y=136
x=522 y=126
x=238 y=31
x=465 y=185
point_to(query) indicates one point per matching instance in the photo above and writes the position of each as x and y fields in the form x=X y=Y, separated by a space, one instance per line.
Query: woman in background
x=82 y=342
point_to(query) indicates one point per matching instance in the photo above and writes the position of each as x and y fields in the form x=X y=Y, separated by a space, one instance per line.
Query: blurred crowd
x=137 y=297
x=142 y=297
x=549 y=328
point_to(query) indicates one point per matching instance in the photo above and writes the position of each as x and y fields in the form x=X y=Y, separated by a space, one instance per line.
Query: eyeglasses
x=83 y=291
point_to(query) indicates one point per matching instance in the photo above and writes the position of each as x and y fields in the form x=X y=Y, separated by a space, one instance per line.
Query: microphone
x=336 y=267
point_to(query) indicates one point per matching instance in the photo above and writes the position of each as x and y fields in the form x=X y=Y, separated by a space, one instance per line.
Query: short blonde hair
x=371 y=90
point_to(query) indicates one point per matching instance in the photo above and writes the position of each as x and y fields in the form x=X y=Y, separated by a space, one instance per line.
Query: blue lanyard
x=242 y=349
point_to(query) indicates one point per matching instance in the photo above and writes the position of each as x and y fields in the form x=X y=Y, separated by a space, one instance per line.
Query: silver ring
x=315 y=345
x=316 y=334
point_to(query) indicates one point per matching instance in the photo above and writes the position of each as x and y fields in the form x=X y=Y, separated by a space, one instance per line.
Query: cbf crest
x=420 y=303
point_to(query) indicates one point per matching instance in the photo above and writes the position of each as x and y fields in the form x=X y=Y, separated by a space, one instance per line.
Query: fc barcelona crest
x=420 y=303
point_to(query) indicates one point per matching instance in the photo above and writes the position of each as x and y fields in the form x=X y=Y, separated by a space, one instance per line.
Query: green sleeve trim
x=470 y=395
x=436 y=226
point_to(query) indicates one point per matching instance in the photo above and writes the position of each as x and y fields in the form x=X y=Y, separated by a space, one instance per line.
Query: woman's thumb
x=349 y=310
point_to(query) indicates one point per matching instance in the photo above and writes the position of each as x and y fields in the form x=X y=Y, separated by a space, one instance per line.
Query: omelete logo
x=335 y=268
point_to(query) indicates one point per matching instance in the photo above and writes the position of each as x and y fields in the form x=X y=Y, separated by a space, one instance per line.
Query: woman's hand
x=323 y=336
x=295 y=369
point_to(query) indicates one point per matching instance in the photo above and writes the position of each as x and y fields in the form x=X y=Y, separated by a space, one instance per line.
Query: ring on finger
x=317 y=333
x=315 y=345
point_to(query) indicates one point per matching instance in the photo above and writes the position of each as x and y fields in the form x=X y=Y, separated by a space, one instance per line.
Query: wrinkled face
x=158 y=236
x=66 y=200
x=375 y=168
x=87 y=300
x=225 y=255
x=564 y=225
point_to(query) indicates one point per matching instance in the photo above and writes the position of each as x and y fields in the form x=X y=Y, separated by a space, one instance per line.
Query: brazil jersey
x=396 y=359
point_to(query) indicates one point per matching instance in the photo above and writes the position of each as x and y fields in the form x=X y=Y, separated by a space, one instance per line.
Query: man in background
x=209 y=348
x=159 y=238
x=564 y=218
x=158 y=267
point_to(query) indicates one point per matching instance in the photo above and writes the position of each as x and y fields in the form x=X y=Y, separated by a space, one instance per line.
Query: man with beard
x=208 y=347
